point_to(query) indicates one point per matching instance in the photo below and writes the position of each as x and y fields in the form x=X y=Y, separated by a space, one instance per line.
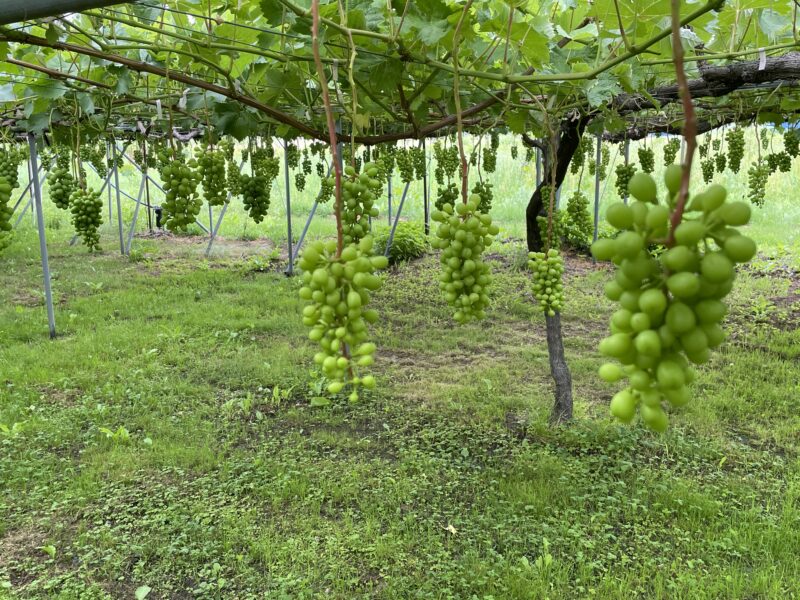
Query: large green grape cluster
x=265 y=164
x=359 y=192
x=791 y=142
x=10 y=159
x=292 y=155
x=447 y=162
x=405 y=164
x=624 y=173
x=707 y=166
x=462 y=236
x=548 y=289
x=757 y=176
x=182 y=204
x=337 y=289
x=256 y=196
x=670 y=307
x=5 y=214
x=418 y=160
x=233 y=177
x=489 y=160
x=734 y=138
x=446 y=195
x=579 y=225
x=388 y=155
x=647 y=159
x=484 y=191
x=87 y=216
x=61 y=182
x=671 y=149
x=721 y=161
x=211 y=171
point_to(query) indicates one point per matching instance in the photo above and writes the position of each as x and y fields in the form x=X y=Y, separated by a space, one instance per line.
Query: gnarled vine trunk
x=568 y=141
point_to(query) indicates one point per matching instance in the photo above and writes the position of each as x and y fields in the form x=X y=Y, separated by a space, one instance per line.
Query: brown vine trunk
x=568 y=141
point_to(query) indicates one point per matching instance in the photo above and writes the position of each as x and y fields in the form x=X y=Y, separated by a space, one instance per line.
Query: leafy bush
x=409 y=241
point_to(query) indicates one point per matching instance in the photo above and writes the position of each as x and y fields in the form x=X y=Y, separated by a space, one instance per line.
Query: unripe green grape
x=643 y=187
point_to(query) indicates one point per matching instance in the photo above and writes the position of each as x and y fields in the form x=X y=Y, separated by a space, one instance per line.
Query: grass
x=166 y=439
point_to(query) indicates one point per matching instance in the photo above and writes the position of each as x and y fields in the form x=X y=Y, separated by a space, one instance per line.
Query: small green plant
x=121 y=435
x=409 y=241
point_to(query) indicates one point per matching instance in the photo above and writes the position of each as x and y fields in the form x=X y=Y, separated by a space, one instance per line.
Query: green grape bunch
x=734 y=138
x=779 y=161
x=61 y=182
x=707 y=166
x=791 y=142
x=233 y=178
x=265 y=164
x=86 y=207
x=703 y=149
x=462 y=236
x=418 y=160
x=10 y=159
x=97 y=158
x=211 y=172
x=338 y=290
x=764 y=140
x=327 y=189
x=292 y=155
x=446 y=195
x=548 y=289
x=300 y=181
x=716 y=144
x=359 y=192
x=757 y=176
x=489 y=160
x=624 y=173
x=256 y=196
x=514 y=152
x=579 y=225
x=320 y=166
x=306 y=165
x=5 y=213
x=405 y=164
x=647 y=159
x=670 y=307
x=721 y=161
x=484 y=190
x=182 y=204
x=671 y=149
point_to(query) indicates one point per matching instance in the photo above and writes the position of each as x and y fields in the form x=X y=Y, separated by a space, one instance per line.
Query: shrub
x=409 y=241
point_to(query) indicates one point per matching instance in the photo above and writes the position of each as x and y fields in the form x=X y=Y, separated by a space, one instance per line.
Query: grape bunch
x=757 y=176
x=529 y=158
x=446 y=195
x=292 y=155
x=579 y=224
x=211 y=172
x=647 y=159
x=624 y=173
x=388 y=154
x=300 y=181
x=405 y=164
x=514 y=152
x=601 y=170
x=494 y=140
x=463 y=234
x=489 y=160
x=112 y=161
x=735 y=140
x=87 y=216
x=707 y=165
x=703 y=149
x=255 y=193
x=61 y=182
x=320 y=166
x=764 y=140
x=337 y=290
x=233 y=178
x=10 y=159
x=716 y=144
x=227 y=148
x=671 y=149
x=548 y=268
x=791 y=142
x=182 y=204
x=327 y=189
x=438 y=172
x=670 y=307
x=579 y=158
x=483 y=189
x=721 y=161
x=418 y=159
x=779 y=161
x=358 y=199
x=97 y=158
x=5 y=213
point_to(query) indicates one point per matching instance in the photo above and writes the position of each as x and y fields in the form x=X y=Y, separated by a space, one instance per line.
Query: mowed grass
x=166 y=439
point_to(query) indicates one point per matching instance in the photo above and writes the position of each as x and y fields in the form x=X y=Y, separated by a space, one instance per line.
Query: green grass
x=446 y=483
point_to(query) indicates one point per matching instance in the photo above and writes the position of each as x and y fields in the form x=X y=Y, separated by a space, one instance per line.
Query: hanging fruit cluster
x=211 y=171
x=707 y=166
x=483 y=189
x=514 y=152
x=721 y=161
x=670 y=307
x=579 y=225
x=757 y=176
x=548 y=289
x=256 y=195
x=671 y=149
x=10 y=159
x=418 y=159
x=405 y=164
x=446 y=195
x=87 y=216
x=96 y=155
x=5 y=213
x=300 y=176
x=182 y=204
x=292 y=155
x=579 y=158
x=61 y=182
x=624 y=173
x=734 y=138
x=647 y=159
x=779 y=161
x=462 y=236
x=337 y=289
x=791 y=142
x=359 y=192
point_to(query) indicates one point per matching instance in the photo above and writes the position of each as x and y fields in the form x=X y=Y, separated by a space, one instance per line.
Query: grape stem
x=326 y=100
x=457 y=101
x=690 y=122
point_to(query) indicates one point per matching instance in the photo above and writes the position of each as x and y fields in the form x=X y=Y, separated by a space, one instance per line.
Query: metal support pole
x=389 y=209
x=37 y=192
x=114 y=166
x=627 y=150
x=425 y=197
x=119 y=205
x=215 y=230
x=598 y=158
x=396 y=220
x=29 y=203
x=135 y=217
x=302 y=238
x=290 y=268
